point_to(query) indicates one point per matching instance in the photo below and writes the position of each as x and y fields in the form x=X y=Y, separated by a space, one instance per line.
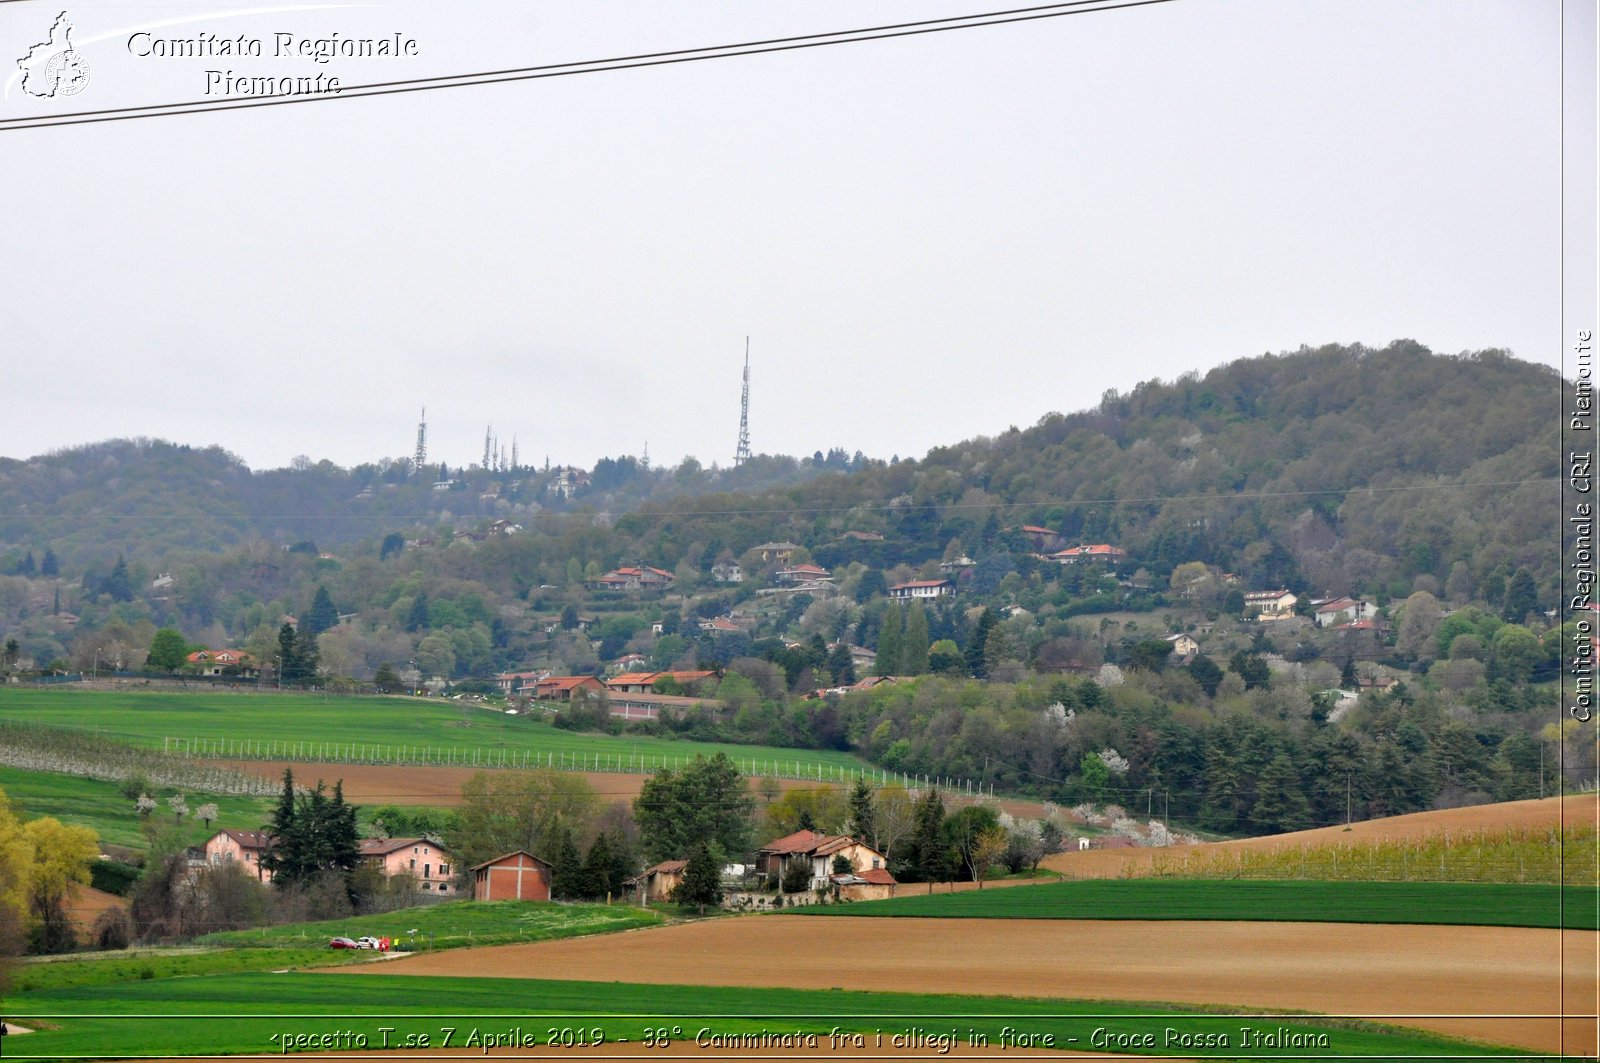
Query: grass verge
x=1463 y=904
x=456 y=924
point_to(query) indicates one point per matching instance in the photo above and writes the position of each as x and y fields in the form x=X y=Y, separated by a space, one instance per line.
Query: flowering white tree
x=145 y=805
x=179 y=806
x=1115 y=762
x=206 y=813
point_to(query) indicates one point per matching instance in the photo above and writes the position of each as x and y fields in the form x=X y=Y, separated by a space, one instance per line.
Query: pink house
x=245 y=846
x=422 y=858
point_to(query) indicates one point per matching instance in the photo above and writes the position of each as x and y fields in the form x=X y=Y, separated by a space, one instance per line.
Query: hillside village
x=927 y=615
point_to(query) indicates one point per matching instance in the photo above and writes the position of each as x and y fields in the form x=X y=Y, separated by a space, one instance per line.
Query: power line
x=634 y=62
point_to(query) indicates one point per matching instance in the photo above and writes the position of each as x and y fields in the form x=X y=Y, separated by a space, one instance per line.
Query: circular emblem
x=68 y=71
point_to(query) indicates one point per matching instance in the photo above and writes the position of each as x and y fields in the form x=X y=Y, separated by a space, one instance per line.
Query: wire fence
x=630 y=763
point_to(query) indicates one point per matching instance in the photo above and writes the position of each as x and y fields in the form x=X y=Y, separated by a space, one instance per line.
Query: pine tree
x=118 y=585
x=28 y=567
x=417 y=618
x=932 y=861
x=281 y=856
x=978 y=647
x=841 y=666
x=49 y=567
x=1280 y=805
x=289 y=668
x=1522 y=597
x=889 y=643
x=863 y=821
x=702 y=880
x=322 y=616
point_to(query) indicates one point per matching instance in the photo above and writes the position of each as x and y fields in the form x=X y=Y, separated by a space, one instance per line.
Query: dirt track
x=1470 y=972
x=1114 y=863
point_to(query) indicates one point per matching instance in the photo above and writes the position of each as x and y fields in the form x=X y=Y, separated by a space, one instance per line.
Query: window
x=443 y=888
x=413 y=865
x=427 y=872
x=444 y=869
x=874 y=863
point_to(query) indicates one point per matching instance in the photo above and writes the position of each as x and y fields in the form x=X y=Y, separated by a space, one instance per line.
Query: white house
x=920 y=589
x=1271 y=605
x=1331 y=612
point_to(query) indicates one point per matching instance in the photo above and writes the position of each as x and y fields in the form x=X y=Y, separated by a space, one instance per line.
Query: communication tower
x=742 y=454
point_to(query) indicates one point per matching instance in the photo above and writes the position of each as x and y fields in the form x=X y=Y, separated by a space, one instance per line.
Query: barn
x=518 y=876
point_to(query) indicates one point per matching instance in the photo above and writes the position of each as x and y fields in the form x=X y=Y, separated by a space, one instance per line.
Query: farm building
x=422 y=858
x=518 y=876
x=818 y=850
x=658 y=882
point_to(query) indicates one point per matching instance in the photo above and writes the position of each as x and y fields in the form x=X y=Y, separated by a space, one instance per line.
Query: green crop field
x=1462 y=904
x=174 y=1017
x=455 y=924
x=382 y=730
x=100 y=805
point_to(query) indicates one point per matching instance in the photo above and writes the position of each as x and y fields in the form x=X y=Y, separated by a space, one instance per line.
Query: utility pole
x=1346 y=799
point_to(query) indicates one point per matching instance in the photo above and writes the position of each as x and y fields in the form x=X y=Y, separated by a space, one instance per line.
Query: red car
x=342 y=943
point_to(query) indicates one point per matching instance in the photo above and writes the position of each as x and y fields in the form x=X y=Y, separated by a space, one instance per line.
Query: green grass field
x=110 y=968
x=316 y=726
x=180 y=1017
x=100 y=806
x=1458 y=904
x=455 y=924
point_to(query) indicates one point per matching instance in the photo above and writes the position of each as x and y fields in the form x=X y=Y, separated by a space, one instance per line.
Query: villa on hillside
x=1271 y=605
x=921 y=589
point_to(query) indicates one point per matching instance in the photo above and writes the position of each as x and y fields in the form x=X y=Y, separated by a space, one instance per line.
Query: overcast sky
x=925 y=239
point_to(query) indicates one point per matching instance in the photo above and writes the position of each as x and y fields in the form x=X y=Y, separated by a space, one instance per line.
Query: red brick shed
x=518 y=876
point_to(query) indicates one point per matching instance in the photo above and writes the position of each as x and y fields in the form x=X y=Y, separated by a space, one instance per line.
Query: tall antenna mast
x=421 y=458
x=742 y=454
x=488 y=448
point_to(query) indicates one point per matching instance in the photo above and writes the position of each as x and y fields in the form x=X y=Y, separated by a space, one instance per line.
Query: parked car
x=368 y=943
x=343 y=943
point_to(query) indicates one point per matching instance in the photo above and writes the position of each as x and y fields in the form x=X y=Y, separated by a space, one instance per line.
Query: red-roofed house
x=1330 y=612
x=818 y=849
x=518 y=876
x=645 y=682
x=1093 y=552
x=869 y=885
x=920 y=589
x=565 y=687
x=423 y=859
x=221 y=662
x=803 y=574
x=630 y=578
x=517 y=682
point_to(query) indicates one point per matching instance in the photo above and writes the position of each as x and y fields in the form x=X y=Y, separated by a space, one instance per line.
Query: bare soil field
x=84 y=905
x=1116 y=863
x=389 y=784
x=1464 y=981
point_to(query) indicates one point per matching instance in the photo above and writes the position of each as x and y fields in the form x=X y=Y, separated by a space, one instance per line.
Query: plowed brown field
x=1115 y=863
x=1464 y=981
x=389 y=784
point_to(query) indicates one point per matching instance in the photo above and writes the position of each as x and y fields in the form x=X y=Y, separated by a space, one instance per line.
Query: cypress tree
x=863 y=819
x=566 y=875
x=914 y=642
x=49 y=566
x=889 y=643
x=979 y=644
